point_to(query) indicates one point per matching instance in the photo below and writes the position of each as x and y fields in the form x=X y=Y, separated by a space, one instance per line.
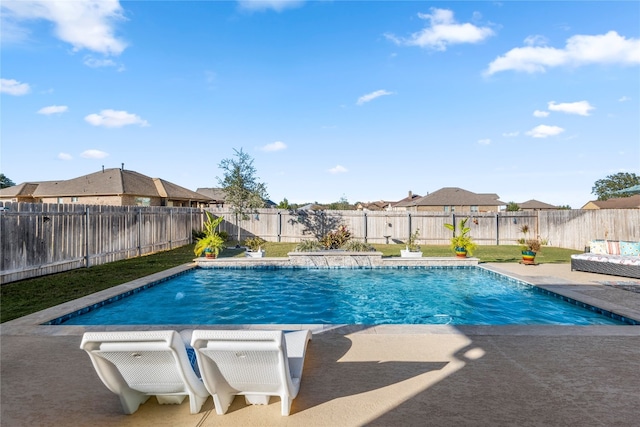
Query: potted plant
x=412 y=250
x=254 y=247
x=528 y=246
x=210 y=243
x=461 y=242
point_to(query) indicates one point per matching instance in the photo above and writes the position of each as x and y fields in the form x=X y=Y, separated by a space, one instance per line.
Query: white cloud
x=53 y=109
x=115 y=119
x=274 y=146
x=371 y=96
x=92 y=62
x=539 y=113
x=14 y=87
x=65 y=156
x=94 y=154
x=610 y=48
x=338 y=169
x=581 y=108
x=277 y=5
x=535 y=41
x=85 y=24
x=485 y=141
x=511 y=134
x=624 y=99
x=544 y=131
x=442 y=31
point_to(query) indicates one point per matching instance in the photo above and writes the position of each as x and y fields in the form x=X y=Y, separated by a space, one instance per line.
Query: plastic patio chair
x=255 y=364
x=138 y=364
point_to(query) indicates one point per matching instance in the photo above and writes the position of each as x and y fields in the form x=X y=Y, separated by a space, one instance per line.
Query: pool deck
x=390 y=375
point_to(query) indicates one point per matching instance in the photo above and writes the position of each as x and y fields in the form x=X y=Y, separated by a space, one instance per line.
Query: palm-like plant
x=462 y=240
x=211 y=242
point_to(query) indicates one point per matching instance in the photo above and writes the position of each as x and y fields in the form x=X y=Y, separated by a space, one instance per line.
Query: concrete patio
x=392 y=375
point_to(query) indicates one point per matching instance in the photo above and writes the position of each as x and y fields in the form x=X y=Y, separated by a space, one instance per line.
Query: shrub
x=309 y=246
x=254 y=243
x=337 y=238
x=356 y=246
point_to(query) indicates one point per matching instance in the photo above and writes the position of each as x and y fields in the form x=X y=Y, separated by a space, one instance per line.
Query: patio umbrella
x=630 y=190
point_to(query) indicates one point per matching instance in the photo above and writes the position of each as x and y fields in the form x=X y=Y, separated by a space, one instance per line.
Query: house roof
x=113 y=182
x=631 y=202
x=454 y=196
x=212 y=193
x=25 y=189
x=407 y=201
x=535 y=204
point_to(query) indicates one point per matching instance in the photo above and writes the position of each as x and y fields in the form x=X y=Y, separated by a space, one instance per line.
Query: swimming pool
x=457 y=296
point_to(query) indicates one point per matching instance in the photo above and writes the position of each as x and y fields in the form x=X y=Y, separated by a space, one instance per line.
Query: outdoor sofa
x=617 y=258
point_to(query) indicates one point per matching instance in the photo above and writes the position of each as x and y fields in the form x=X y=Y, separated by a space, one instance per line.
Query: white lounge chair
x=139 y=364
x=255 y=364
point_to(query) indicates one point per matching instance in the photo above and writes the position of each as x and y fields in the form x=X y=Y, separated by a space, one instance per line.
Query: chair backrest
x=248 y=361
x=151 y=362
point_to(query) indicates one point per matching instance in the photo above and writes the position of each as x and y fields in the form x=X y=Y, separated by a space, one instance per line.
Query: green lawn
x=31 y=295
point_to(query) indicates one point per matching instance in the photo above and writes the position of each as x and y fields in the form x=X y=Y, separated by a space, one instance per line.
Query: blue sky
x=332 y=99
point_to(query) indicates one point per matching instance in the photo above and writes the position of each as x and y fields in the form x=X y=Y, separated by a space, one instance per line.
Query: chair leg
x=196 y=402
x=222 y=401
x=131 y=400
x=285 y=405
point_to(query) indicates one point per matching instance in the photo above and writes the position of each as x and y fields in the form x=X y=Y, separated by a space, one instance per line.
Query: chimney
x=410 y=194
x=102 y=168
x=122 y=166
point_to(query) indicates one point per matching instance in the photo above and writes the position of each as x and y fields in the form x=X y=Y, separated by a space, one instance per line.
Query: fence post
x=139 y=232
x=365 y=226
x=409 y=222
x=87 y=257
x=497 y=229
x=279 y=229
x=170 y=228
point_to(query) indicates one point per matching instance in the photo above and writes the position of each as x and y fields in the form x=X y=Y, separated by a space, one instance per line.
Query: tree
x=5 y=182
x=564 y=207
x=606 y=188
x=512 y=207
x=284 y=204
x=340 y=205
x=241 y=187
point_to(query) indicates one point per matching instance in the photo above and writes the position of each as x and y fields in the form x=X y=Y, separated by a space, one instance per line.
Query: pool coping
x=33 y=324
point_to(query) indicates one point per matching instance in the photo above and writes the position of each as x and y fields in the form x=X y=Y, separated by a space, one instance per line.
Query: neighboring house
x=374 y=206
x=454 y=199
x=404 y=204
x=535 y=205
x=631 y=202
x=216 y=195
x=19 y=193
x=114 y=187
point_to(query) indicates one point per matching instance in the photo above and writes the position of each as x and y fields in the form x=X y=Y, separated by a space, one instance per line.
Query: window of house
x=74 y=199
x=143 y=201
x=60 y=200
x=474 y=209
x=446 y=209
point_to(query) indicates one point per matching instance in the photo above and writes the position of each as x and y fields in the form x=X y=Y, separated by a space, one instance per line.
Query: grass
x=31 y=295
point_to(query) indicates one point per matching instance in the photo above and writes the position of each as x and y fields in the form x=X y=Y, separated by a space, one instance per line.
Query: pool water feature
x=457 y=296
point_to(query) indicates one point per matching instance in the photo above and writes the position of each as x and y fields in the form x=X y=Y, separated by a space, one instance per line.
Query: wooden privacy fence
x=38 y=239
x=561 y=228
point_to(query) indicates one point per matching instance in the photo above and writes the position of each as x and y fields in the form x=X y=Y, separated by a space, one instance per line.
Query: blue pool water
x=467 y=296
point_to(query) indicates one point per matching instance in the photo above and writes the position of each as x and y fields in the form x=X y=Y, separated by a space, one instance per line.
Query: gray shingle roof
x=454 y=196
x=212 y=193
x=24 y=189
x=632 y=202
x=116 y=182
x=535 y=204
